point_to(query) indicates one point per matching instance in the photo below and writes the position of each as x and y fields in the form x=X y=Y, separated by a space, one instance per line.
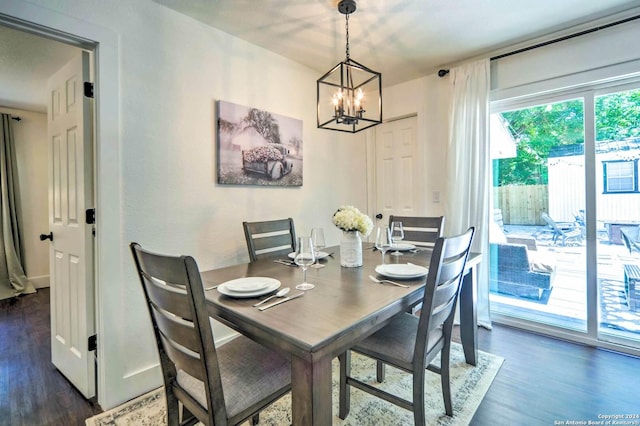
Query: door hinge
x=90 y=216
x=93 y=342
x=88 y=89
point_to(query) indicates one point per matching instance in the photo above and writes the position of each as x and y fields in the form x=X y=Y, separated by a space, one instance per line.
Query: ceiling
x=402 y=39
x=27 y=61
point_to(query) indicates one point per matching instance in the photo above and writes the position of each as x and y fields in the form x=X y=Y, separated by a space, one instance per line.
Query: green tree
x=538 y=129
x=618 y=116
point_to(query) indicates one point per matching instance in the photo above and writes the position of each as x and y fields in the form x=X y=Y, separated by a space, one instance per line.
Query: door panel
x=397 y=168
x=71 y=250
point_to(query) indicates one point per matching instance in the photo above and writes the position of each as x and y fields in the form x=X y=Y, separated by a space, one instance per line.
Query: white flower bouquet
x=349 y=218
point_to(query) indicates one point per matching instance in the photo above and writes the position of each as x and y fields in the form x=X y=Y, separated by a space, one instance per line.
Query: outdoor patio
x=565 y=303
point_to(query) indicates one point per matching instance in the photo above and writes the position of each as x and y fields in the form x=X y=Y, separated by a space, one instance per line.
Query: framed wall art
x=257 y=147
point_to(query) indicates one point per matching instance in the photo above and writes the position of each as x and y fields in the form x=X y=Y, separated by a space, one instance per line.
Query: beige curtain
x=13 y=281
x=468 y=167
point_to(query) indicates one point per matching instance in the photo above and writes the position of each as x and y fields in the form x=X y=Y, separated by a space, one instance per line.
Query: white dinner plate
x=321 y=255
x=271 y=285
x=248 y=284
x=402 y=270
x=402 y=247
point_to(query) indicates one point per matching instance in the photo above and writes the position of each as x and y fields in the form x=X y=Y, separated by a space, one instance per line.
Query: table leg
x=311 y=392
x=469 y=316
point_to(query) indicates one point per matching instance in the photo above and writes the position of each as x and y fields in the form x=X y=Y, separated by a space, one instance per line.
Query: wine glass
x=397 y=235
x=317 y=238
x=305 y=257
x=383 y=240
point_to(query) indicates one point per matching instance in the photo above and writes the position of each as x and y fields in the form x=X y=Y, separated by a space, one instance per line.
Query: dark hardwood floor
x=32 y=391
x=542 y=381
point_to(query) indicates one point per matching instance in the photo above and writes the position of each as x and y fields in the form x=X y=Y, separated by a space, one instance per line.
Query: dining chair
x=411 y=343
x=420 y=231
x=269 y=239
x=223 y=385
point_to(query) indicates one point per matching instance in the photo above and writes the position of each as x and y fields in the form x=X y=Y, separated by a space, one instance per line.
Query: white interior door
x=397 y=169
x=71 y=252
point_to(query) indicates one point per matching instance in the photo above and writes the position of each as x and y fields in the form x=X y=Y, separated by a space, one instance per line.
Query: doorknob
x=48 y=236
x=379 y=216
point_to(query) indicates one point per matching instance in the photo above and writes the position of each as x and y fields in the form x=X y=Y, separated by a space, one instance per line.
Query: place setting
x=398 y=271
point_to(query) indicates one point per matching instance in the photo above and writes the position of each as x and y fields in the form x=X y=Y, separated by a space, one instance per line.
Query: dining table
x=344 y=307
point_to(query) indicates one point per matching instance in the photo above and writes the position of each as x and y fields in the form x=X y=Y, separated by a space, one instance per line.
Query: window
x=620 y=176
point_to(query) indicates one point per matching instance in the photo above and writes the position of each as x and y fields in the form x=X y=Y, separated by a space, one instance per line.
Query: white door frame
x=109 y=251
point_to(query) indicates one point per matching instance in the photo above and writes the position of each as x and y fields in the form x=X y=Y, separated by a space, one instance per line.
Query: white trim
x=112 y=389
x=41 y=281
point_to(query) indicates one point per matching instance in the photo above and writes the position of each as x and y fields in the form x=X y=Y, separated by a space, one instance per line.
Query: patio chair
x=224 y=385
x=631 y=238
x=564 y=231
x=270 y=238
x=411 y=343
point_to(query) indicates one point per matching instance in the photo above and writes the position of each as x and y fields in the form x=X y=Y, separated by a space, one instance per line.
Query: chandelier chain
x=347 y=32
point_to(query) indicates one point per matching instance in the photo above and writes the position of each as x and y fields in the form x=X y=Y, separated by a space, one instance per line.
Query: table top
x=344 y=306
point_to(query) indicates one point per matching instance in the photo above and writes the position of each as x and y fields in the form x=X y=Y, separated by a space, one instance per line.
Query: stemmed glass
x=383 y=240
x=305 y=257
x=317 y=238
x=397 y=235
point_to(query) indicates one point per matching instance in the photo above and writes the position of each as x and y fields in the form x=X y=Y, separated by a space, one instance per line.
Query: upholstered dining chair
x=270 y=238
x=223 y=385
x=420 y=231
x=411 y=343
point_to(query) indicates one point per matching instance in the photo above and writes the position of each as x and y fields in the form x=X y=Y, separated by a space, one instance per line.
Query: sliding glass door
x=565 y=235
x=617 y=150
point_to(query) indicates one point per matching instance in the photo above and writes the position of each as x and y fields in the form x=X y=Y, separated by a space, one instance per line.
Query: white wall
x=156 y=159
x=428 y=98
x=30 y=136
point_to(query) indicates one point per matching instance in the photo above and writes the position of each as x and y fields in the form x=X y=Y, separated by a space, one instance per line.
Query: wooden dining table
x=344 y=307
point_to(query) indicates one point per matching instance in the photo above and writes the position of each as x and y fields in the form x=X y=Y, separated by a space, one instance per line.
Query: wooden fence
x=522 y=205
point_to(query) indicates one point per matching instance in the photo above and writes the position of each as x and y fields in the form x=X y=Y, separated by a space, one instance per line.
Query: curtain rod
x=16 y=118
x=443 y=72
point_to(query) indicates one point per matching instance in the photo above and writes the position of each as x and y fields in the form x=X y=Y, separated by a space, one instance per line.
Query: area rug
x=468 y=387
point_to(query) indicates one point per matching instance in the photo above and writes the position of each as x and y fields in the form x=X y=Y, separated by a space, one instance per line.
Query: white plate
x=402 y=270
x=273 y=284
x=321 y=255
x=248 y=284
x=402 y=247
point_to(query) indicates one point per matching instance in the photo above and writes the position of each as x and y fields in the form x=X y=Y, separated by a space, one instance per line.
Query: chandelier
x=350 y=94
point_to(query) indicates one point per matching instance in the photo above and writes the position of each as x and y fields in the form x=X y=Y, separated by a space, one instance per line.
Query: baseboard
x=42 y=281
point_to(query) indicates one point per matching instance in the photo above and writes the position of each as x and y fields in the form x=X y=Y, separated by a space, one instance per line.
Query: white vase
x=351 y=249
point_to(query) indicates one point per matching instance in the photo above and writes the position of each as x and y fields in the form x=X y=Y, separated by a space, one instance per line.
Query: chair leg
x=173 y=409
x=419 y=417
x=380 y=371
x=444 y=379
x=255 y=420
x=345 y=390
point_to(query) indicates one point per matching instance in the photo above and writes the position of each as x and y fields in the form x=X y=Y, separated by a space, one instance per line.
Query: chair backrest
x=421 y=231
x=269 y=239
x=446 y=270
x=552 y=223
x=630 y=238
x=176 y=302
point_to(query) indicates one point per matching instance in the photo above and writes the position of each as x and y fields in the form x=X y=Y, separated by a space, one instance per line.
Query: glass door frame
x=593 y=336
